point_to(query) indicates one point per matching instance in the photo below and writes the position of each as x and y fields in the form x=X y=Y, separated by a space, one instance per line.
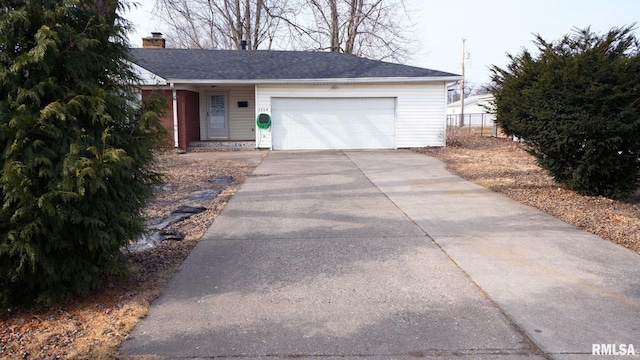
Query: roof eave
x=317 y=81
x=148 y=77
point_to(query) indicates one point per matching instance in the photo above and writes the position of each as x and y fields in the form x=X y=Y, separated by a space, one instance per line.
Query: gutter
x=175 y=115
x=321 y=81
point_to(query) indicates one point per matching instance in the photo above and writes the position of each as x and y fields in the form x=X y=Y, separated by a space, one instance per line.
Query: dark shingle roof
x=195 y=64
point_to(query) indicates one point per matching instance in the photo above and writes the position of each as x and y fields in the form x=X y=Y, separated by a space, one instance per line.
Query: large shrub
x=76 y=148
x=576 y=105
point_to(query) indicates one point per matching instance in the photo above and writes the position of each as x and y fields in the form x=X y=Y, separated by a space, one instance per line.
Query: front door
x=217 y=119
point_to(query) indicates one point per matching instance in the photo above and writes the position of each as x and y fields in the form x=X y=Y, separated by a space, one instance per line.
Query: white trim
x=174 y=95
x=168 y=87
x=320 y=81
x=147 y=77
x=208 y=95
x=263 y=105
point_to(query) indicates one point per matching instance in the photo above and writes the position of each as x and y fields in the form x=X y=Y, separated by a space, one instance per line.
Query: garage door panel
x=333 y=123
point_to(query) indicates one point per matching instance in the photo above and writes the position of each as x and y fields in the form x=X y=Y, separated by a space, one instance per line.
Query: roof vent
x=154 y=41
x=243 y=44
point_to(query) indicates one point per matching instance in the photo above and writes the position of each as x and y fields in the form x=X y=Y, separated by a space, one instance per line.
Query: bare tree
x=221 y=24
x=366 y=28
x=485 y=88
x=470 y=89
x=375 y=29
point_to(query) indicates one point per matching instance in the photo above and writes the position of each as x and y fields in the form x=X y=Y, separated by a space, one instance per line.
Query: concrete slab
x=446 y=204
x=565 y=288
x=312 y=206
x=240 y=155
x=309 y=259
x=444 y=355
x=330 y=162
x=565 y=299
x=385 y=255
x=347 y=297
x=326 y=197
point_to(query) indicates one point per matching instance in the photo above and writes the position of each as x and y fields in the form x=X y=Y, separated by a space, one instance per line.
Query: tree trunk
x=334 y=28
x=355 y=13
x=246 y=25
x=238 y=25
x=256 y=24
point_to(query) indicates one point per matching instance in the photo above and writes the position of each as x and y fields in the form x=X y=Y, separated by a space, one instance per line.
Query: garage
x=333 y=123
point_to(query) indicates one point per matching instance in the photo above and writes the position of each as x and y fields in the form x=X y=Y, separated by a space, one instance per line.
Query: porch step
x=221 y=145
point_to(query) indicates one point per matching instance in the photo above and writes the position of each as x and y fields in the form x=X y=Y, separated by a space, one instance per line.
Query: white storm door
x=217 y=116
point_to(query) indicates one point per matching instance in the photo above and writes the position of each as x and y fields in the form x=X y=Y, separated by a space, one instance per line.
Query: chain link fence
x=480 y=123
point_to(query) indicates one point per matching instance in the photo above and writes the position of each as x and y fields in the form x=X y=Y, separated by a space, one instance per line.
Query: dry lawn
x=92 y=327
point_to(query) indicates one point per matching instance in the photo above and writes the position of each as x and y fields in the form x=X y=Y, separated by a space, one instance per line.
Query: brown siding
x=167 y=119
x=188 y=117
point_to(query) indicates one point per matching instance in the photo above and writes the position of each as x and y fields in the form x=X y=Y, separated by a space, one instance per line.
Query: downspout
x=175 y=115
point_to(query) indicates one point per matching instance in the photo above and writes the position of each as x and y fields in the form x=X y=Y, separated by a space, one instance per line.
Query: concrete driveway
x=385 y=255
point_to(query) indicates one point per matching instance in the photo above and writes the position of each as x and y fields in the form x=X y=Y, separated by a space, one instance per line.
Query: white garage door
x=333 y=123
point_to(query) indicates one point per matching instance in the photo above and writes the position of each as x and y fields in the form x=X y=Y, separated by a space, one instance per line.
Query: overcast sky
x=491 y=28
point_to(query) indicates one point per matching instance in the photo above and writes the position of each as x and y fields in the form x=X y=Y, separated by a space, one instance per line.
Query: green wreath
x=263 y=121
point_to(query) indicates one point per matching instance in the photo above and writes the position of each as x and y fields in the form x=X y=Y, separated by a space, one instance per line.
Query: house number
x=263 y=109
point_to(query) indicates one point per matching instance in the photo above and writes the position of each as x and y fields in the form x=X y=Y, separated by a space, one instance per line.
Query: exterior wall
x=420 y=107
x=167 y=119
x=470 y=108
x=187 y=116
x=241 y=120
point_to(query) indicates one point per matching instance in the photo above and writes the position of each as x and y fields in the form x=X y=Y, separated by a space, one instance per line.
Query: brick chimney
x=154 y=41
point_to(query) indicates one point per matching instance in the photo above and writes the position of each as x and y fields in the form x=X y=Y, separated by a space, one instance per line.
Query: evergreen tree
x=77 y=147
x=576 y=105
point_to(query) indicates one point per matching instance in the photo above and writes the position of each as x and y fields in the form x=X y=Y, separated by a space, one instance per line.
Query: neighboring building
x=316 y=100
x=476 y=111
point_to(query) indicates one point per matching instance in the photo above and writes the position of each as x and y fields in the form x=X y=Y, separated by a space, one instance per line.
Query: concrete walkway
x=385 y=255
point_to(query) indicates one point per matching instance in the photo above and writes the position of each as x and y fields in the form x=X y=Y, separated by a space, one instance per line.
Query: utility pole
x=462 y=87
